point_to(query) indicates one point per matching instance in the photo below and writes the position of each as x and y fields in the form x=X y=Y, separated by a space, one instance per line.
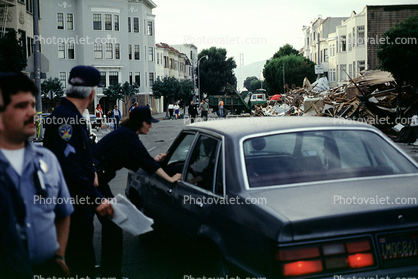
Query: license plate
x=399 y=247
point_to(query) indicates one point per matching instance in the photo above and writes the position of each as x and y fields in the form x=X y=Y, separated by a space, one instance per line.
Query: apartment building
x=353 y=44
x=116 y=37
x=18 y=15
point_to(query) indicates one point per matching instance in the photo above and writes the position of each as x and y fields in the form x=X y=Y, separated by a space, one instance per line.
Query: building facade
x=353 y=44
x=116 y=37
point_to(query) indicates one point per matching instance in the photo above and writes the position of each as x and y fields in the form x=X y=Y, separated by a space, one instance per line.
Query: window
x=129 y=25
x=136 y=25
x=138 y=78
x=70 y=51
x=136 y=52
x=151 y=79
x=201 y=170
x=360 y=35
x=61 y=51
x=70 y=22
x=116 y=20
x=343 y=75
x=361 y=65
x=325 y=55
x=98 y=51
x=151 y=54
x=29 y=6
x=350 y=45
x=332 y=75
x=158 y=59
x=343 y=43
x=354 y=68
x=60 y=20
x=113 y=78
x=130 y=52
x=97 y=22
x=63 y=79
x=354 y=36
x=103 y=78
x=108 y=22
x=350 y=70
x=149 y=28
x=117 y=51
x=130 y=78
x=109 y=51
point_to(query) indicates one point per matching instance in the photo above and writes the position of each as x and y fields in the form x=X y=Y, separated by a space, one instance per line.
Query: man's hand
x=105 y=209
x=175 y=177
x=64 y=266
x=96 y=180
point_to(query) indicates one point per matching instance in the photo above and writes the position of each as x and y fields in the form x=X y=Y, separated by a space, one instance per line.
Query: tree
x=247 y=82
x=122 y=92
x=297 y=68
x=255 y=84
x=216 y=71
x=12 y=55
x=285 y=50
x=399 y=53
x=169 y=88
x=52 y=91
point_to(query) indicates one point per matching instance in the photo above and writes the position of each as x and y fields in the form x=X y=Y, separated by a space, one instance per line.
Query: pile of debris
x=372 y=97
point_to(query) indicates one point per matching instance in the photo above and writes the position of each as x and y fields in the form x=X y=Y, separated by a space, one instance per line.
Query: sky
x=256 y=29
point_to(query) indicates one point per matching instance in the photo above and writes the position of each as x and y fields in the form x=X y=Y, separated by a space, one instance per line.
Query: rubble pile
x=370 y=97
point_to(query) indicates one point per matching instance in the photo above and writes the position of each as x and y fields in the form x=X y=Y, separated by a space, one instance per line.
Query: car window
x=181 y=148
x=320 y=155
x=201 y=169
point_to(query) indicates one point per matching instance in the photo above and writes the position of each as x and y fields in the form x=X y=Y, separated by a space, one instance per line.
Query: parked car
x=293 y=197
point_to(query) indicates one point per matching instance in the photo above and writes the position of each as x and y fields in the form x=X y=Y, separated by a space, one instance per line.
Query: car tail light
x=325 y=258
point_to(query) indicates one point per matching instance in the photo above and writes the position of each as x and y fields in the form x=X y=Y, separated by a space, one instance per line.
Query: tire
x=211 y=261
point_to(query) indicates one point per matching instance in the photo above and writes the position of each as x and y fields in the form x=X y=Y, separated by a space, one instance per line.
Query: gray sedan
x=292 y=197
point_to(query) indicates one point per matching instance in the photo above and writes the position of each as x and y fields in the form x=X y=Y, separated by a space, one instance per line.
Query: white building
x=116 y=37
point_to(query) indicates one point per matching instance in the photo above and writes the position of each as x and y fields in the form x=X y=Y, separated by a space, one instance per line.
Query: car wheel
x=211 y=262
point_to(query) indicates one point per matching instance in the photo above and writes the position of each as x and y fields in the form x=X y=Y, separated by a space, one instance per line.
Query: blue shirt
x=40 y=216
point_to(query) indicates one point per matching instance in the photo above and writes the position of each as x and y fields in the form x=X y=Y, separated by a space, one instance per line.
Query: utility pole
x=284 y=82
x=37 y=55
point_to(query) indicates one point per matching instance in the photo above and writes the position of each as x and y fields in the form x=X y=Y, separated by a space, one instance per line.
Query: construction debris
x=372 y=97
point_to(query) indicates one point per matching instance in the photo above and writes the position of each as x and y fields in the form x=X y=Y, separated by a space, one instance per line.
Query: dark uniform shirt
x=66 y=136
x=122 y=148
x=193 y=110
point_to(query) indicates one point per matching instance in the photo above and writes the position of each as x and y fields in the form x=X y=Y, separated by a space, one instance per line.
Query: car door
x=201 y=187
x=160 y=191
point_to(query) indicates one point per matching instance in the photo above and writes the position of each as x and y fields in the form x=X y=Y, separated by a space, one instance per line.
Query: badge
x=65 y=131
x=43 y=165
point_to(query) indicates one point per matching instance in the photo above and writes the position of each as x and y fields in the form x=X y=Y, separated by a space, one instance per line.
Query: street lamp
x=198 y=74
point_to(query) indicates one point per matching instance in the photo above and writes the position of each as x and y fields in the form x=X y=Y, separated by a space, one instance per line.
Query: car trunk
x=345 y=207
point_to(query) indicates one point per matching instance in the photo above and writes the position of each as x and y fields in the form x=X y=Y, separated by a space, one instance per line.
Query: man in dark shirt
x=192 y=111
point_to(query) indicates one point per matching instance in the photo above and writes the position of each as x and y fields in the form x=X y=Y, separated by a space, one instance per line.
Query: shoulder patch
x=65 y=131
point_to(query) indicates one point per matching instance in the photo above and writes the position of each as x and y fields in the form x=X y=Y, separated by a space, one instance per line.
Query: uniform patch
x=65 y=131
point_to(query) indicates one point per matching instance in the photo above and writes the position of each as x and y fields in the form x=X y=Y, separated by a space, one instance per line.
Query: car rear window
x=320 y=155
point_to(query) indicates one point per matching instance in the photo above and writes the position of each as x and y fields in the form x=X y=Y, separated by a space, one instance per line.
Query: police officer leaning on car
x=66 y=136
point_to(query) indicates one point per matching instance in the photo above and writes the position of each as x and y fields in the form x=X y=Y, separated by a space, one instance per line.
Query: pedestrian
x=123 y=149
x=36 y=174
x=14 y=259
x=171 y=110
x=204 y=108
x=221 y=108
x=117 y=116
x=192 y=111
x=176 y=110
x=99 y=111
x=70 y=143
x=134 y=105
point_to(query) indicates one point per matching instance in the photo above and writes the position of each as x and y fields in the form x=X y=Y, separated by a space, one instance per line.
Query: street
x=166 y=256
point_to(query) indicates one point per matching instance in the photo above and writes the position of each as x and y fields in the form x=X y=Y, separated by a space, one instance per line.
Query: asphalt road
x=152 y=256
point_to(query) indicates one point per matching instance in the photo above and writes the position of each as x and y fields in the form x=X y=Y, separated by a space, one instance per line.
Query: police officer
x=66 y=136
x=14 y=260
x=36 y=174
x=118 y=149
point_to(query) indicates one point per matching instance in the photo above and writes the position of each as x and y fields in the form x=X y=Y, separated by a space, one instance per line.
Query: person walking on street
x=36 y=174
x=14 y=258
x=192 y=111
x=221 y=108
x=176 y=110
x=204 y=108
x=134 y=105
x=116 y=115
x=70 y=143
x=123 y=149
x=171 y=110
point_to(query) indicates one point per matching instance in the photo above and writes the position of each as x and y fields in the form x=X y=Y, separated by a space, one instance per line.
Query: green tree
x=285 y=50
x=247 y=82
x=255 y=84
x=169 y=88
x=52 y=91
x=121 y=92
x=401 y=59
x=12 y=55
x=216 y=71
x=296 y=67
